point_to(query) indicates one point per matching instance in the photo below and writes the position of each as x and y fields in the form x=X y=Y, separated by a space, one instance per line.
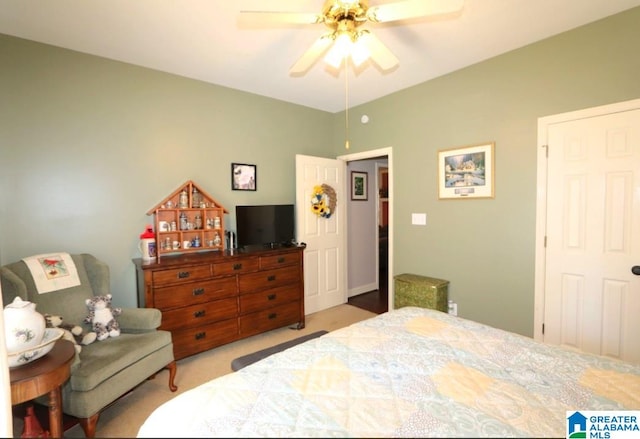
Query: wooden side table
x=45 y=375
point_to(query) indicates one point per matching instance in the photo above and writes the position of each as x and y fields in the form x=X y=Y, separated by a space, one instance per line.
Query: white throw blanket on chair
x=52 y=271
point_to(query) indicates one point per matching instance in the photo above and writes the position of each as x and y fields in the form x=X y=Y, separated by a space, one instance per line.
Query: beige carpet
x=124 y=418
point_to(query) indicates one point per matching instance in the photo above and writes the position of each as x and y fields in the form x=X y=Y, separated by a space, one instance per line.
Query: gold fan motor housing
x=345 y=15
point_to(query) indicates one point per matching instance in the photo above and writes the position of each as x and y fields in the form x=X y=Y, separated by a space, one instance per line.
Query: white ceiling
x=200 y=39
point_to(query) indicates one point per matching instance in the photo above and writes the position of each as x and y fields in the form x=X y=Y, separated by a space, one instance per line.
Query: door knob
x=636 y=270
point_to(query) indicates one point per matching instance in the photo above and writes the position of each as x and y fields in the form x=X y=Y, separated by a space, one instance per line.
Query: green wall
x=486 y=248
x=88 y=145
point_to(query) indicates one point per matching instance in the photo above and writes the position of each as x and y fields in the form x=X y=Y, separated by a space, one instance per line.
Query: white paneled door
x=325 y=255
x=591 y=295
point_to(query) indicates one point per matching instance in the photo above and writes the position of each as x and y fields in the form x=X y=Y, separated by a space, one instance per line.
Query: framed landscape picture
x=466 y=172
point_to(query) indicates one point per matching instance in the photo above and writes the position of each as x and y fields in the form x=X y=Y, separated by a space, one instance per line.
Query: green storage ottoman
x=422 y=291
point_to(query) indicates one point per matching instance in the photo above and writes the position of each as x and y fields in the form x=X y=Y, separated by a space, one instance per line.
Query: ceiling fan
x=346 y=36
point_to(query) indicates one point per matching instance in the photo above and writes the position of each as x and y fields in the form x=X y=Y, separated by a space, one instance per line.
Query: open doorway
x=382 y=186
x=370 y=229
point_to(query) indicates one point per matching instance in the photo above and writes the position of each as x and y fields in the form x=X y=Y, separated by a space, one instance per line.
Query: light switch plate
x=419 y=219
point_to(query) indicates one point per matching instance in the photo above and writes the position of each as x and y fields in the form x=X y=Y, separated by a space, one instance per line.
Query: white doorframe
x=388 y=152
x=541 y=188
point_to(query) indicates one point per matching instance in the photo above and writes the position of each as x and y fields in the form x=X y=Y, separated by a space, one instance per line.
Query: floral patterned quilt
x=411 y=372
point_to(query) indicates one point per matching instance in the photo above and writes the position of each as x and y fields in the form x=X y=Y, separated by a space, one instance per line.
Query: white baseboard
x=363 y=289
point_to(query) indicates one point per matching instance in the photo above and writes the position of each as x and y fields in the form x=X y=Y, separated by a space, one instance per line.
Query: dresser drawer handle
x=198 y=291
x=271 y=296
x=281 y=259
x=183 y=274
x=201 y=335
x=271 y=278
x=199 y=313
x=237 y=266
x=273 y=315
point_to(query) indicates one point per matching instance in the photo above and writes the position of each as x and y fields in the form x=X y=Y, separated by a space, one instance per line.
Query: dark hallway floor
x=376 y=300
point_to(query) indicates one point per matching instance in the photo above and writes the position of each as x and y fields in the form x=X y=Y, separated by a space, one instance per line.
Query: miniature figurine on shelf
x=183 y=202
x=196 y=198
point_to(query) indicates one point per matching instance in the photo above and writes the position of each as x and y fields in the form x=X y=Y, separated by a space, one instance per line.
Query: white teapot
x=23 y=325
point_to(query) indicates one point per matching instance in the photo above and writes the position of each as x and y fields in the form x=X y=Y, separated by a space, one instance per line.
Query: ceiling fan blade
x=260 y=19
x=378 y=52
x=406 y=9
x=317 y=49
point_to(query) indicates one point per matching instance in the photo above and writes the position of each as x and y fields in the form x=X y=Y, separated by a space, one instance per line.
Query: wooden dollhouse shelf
x=188 y=220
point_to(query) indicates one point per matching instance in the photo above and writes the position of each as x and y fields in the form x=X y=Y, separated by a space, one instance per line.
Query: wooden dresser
x=208 y=299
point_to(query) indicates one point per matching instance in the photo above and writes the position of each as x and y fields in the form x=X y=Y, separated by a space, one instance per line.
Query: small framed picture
x=358 y=185
x=466 y=172
x=243 y=177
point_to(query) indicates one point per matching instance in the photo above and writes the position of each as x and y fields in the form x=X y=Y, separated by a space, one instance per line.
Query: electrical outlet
x=453 y=308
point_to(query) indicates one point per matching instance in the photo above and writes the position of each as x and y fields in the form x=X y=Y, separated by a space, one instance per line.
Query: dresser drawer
x=194 y=292
x=189 y=341
x=269 y=319
x=200 y=314
x=251 y=282
x=236 y=266
x=274 y=261
x=212 y=298
x=269 y=298
x=183 y=274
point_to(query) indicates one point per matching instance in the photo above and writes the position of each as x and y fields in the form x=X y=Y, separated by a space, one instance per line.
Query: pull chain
x=346 y=103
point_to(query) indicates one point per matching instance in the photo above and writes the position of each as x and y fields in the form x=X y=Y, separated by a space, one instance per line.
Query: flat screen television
x=270 y=225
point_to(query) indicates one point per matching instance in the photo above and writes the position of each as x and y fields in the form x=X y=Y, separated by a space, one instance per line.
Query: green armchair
x=104 y=370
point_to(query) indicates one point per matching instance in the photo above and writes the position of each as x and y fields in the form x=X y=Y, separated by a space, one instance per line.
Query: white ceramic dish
x=51 y=335
x=23 y=325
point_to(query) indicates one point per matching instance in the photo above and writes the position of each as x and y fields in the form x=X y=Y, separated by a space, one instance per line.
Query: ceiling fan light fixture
x=344 y=18
x=340 y=50
x=359 y=52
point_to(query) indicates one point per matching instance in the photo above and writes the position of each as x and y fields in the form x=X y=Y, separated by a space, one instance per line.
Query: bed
x=410 y=372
